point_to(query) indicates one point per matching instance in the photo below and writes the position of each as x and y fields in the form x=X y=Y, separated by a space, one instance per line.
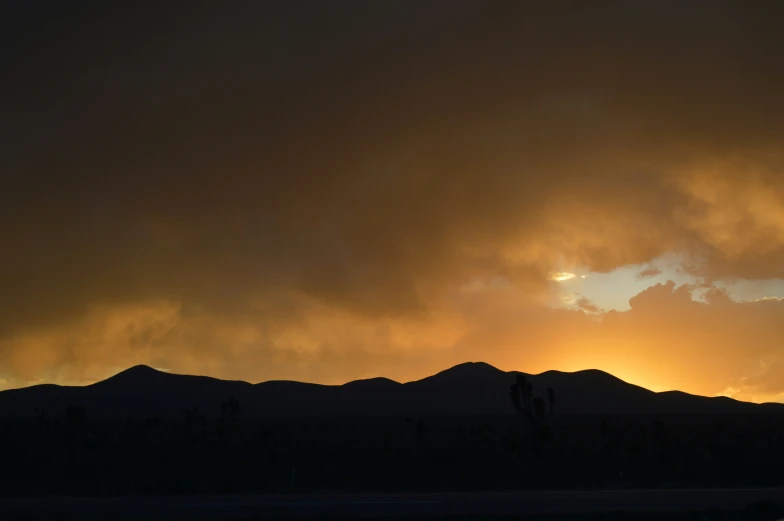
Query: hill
x=472 y=388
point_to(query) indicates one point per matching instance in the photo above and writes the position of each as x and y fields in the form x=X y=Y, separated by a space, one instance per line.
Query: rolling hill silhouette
x=469 y=388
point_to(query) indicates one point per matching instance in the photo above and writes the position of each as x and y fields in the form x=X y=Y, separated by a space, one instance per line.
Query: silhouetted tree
x=522 y=391
x=195 y=421
x=551 y=399
x=522 y=385
x=514 y=394
x=231 y=408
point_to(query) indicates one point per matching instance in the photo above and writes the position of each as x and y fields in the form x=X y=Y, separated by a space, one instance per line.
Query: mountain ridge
x=466 y=388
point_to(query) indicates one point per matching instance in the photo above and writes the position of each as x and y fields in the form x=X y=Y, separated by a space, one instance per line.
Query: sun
x=562 y=276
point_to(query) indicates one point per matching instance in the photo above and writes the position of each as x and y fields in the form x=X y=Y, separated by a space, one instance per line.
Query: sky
x=327 y=191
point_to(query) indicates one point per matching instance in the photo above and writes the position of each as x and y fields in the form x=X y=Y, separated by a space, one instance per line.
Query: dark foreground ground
x=92 y=457
x=749 y=504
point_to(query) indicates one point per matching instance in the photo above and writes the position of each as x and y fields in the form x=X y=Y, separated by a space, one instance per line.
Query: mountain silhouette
x=470 y=388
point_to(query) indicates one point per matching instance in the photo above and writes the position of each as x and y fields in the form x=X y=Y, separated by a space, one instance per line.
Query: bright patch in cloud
x=562 y=276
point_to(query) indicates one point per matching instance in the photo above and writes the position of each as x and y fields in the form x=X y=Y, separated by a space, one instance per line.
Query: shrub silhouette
x=231 y=409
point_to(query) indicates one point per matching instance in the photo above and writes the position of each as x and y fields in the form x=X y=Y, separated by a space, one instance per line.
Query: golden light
x=607 y=359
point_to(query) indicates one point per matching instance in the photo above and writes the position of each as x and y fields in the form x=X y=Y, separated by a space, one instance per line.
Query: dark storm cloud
x=373 y=157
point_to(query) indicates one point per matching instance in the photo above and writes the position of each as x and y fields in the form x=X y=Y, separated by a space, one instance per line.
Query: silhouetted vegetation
x=72 y=453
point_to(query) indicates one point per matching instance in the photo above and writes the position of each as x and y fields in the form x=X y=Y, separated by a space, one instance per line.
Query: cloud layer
x=302 y=189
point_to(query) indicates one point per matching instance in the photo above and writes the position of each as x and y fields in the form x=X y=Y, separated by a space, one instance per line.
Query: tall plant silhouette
x=514 y=395
x=195 y=422
x=521 y=394
x=531 y=410
x=525 y=390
